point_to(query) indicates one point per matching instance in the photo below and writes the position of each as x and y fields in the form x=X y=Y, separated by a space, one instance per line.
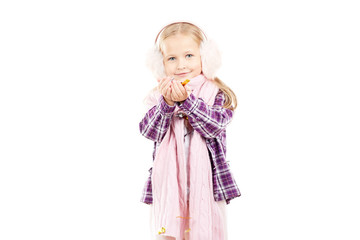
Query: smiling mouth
x=182 y=73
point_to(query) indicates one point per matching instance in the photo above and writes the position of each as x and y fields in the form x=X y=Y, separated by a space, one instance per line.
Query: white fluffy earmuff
x=155 y=62
x=210 y=60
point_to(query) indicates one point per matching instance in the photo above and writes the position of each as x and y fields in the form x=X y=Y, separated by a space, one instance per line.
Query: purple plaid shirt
x=210 y=122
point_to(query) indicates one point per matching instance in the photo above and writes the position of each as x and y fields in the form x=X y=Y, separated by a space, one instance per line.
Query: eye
x=190 y=55
x=171 y=58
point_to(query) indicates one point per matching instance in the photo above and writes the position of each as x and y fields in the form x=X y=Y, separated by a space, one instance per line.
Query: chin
x=181 y=79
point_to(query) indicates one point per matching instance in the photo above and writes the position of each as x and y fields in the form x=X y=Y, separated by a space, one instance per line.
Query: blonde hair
x=198 y=36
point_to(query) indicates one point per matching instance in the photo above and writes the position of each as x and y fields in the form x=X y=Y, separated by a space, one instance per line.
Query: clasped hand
x=172 y=90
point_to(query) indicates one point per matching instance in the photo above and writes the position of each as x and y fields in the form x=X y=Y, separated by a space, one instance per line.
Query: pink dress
x=222 y=204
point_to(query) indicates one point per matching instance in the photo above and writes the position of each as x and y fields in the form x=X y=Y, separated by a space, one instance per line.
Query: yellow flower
x=185 y=82
x=162 y=230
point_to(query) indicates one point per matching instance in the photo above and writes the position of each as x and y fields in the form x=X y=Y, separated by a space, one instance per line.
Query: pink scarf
x=169 y=179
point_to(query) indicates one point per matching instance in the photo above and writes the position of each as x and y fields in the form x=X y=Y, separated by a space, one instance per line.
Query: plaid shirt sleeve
x=157 y=121
x=224 y=184
x=209 y=121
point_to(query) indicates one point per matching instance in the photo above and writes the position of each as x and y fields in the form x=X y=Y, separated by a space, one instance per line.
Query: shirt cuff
x=164 y=107
x=188 y=104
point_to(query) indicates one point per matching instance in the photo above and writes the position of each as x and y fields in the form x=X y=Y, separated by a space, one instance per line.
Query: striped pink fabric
x=169 y=179
x=208 y=120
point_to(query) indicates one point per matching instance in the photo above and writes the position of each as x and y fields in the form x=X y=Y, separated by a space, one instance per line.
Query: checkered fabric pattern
x=210 y=122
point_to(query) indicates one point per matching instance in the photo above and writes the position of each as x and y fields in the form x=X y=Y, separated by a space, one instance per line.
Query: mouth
x=182 y=74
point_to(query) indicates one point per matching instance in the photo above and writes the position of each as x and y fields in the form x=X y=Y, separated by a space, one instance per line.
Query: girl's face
x=181 y=57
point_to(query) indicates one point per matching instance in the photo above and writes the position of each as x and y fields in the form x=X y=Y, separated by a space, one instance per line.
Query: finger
x=176 y=91
x=168 y=85
x=161 y=88
x=168 y=93
x=173 y=91
x=173 y=97
x=167 y=81
x=160 y=83
x=163 y=80
x=181 y=90
x=164 y=84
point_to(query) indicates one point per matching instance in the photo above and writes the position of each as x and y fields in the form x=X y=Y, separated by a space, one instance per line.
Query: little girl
x=190 y=182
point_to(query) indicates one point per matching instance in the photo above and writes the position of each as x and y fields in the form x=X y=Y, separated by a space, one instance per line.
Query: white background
x=73 y=77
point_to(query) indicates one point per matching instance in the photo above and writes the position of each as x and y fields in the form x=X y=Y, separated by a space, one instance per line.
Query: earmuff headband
x=157 y=36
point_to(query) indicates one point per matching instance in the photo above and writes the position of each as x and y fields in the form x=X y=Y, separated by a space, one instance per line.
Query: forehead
x=179 y=43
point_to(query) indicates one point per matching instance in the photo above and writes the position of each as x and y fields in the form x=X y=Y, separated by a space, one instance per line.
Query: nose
x=181 y=64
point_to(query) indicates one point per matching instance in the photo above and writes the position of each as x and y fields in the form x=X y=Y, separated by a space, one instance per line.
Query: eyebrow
x=173 y=54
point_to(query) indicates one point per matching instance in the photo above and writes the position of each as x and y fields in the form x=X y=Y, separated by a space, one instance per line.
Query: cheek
x=198 y=64
x=168 y=68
